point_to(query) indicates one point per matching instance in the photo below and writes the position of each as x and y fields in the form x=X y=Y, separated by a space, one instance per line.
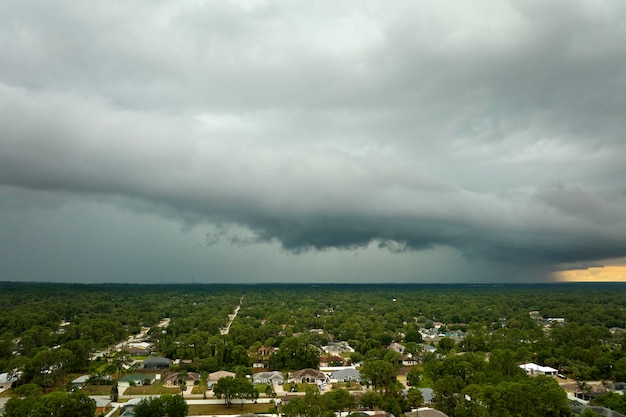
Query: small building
x=534 y=369
x=156 y=363
x=273 y=377
x=80 y=382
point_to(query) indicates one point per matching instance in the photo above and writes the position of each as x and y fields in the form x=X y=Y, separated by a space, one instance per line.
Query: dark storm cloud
x=494 y=128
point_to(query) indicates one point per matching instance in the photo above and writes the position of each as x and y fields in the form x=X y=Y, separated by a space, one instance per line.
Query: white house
x=6 y=381
x=534 y=369
x=273 y=377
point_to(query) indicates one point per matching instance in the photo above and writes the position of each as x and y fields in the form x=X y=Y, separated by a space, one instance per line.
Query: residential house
x=426 y=348
x=175 y=379
x=534 y=369
x=408 y=360
x=261 y=356
x=128 y=408
x=216 y=376
x=81 y=381
x=137 y=379
x=429 y=395
x=156 y=363
x=430 y=334
x=7 y=380
x=332 y=360
x=138 y=350
x=396 y=347
x=273 y=377
x=586 y=391
x=266 y=351
x=618 y=387
x=102 y=404
x=426 y=412
x=337 y=348
x=346 y=375
x=455 y=334
x=578 y=409
x=308 y=375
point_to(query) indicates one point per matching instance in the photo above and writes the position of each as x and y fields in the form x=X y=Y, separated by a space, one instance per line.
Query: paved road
x=232 y=317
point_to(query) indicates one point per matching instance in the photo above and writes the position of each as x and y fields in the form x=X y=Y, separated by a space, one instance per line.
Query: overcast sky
x=311 y=141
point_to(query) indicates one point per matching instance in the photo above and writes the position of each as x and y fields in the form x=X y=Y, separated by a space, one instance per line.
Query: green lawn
x=299 y=387
x=97 y=389
x=198 y=389
x=154 y=389
x=425 y=382
x=350 y=386
x=261 y=388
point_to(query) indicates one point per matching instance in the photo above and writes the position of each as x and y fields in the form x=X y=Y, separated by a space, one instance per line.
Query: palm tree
x=269 y=390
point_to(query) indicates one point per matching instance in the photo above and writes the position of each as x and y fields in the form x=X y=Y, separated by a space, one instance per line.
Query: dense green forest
x=50 y=333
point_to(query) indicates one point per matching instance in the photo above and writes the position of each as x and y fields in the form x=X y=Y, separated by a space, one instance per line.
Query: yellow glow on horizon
x=608 y=273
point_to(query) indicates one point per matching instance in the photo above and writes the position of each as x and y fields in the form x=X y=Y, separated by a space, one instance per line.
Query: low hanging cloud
x=495 y=129
x=303 y=197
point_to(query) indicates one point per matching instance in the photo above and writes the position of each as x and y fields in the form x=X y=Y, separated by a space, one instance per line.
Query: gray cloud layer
x=494 y=128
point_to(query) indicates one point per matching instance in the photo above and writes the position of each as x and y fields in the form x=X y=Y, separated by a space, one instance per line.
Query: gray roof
x=346 y=373
x=100 y=402
x=308 y=372
x=268 y=375
x=4 y=377
x=426 y=412
x=81 y=379
x=427 y=394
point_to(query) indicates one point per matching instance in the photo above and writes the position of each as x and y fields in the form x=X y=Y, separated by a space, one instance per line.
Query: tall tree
x=339 y=400
x=380 y=373
x=225 y=388
x=57 y=404
x=163 y=406
x=414 y=397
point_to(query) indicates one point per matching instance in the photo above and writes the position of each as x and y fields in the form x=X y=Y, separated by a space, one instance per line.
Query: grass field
x=97 y=389
x=299 y=387
x=155 y=389
x=350 y=386
x=198 y=389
